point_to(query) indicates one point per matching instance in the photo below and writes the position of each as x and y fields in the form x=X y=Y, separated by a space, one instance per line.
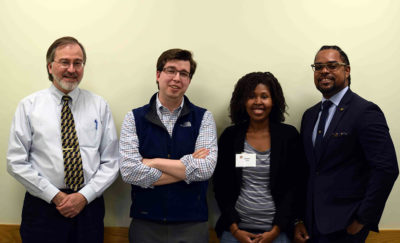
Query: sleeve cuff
x=50 y=193
x=88 y=193
x=155 y=176
x=186 y=159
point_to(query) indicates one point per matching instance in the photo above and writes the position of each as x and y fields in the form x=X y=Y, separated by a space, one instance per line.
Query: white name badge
x=245 y=160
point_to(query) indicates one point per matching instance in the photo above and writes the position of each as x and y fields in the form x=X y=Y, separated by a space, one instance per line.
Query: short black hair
x=244 y=89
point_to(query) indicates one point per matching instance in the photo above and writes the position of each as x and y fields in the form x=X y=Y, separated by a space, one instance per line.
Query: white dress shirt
x=35 y=155
x=133 y=171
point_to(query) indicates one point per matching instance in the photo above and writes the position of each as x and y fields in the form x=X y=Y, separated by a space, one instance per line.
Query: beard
x=328 y=89
x=68 y=86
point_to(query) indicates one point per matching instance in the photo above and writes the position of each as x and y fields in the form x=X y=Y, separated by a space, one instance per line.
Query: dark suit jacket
x=286 y=157
x=356 y=171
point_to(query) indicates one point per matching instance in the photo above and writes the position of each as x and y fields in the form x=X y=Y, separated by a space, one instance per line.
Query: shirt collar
x=161 y=107
x=337 y=97
x=57 y=94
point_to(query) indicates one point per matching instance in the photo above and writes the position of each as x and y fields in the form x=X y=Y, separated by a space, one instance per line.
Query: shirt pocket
x=89 y=133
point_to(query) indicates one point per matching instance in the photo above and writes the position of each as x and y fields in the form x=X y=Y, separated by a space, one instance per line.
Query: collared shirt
x=133 y=171
x=35 y=155
x=335 y=99
x=167 y=117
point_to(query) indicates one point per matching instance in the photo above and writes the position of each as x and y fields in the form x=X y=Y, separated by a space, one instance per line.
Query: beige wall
x=229 y=38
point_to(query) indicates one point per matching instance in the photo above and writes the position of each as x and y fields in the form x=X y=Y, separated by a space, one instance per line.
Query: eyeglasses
x=66 y=64
x=170 y=71
x=331 y=66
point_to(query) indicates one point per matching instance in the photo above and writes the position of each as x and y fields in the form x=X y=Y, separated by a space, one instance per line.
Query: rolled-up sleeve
x=133 y=171
x=202 y=169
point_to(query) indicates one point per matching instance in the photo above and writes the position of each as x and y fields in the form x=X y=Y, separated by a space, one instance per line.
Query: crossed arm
x=70 y=205
x=145 y=172
x=172 y=170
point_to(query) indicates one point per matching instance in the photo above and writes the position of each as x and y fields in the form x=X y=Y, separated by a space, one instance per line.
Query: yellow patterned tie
x=71 y=152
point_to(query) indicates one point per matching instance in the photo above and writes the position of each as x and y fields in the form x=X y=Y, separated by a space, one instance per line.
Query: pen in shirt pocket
x=95 y=121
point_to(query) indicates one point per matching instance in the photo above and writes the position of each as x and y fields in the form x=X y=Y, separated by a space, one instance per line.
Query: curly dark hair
x=244 y=89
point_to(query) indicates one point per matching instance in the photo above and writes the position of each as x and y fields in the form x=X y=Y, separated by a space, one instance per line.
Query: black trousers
x=338 y=237
x=41 y=222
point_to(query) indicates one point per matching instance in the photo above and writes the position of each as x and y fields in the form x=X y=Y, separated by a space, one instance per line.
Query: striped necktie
x=71 y=152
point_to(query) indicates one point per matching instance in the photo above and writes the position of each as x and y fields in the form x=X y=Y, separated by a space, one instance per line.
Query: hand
x=300 y=233
x=266 y=237
x=354 y=228
x=57 y=199
x=244 y=236
x=72 y=205
x=201 y=153
x=269 y=236
x=173 y=167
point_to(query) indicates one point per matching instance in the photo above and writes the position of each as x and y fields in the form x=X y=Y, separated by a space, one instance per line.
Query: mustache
x=330 y=77
x=70 y=75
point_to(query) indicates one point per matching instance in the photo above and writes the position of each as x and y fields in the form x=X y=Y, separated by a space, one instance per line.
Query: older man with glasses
x=351 y=157
x=64 y=149
x=168 y=151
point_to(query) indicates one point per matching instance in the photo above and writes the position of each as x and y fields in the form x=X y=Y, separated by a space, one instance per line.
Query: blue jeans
x=227 y=237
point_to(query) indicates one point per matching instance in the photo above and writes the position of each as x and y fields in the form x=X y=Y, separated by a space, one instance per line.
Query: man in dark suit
x=351 y=157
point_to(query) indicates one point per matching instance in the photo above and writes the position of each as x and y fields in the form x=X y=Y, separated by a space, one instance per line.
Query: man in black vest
x=168 y=151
